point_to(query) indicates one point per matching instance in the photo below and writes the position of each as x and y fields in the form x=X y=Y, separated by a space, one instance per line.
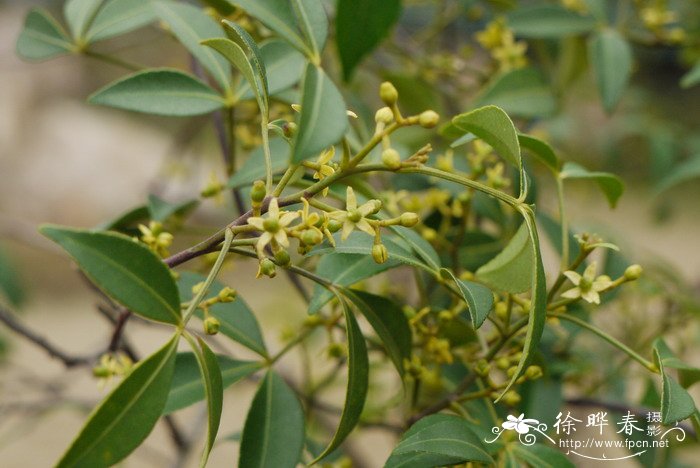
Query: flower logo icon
x=519 y=424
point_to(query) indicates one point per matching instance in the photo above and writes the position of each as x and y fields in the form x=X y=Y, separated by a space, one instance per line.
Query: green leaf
x=323 y=118
x=522 y=93
x=237 y=57
x=493 y=126
x=611 y=60
x=254 y=167
x=273 y=435
x=117 y=17
x=354 y=42
x=388 y=321
x=541 y=151
x=477 y=296
x=278 y=16
x=237 y=320
x=611 y=185
x=438 y=440
x=687 y=375
x=344 y=270
x=214 y=390
x=42 y=37
x=548 y=21
x=241 y=37
x=676 y=402
x=681 y=173
x=358 y=381
x=191 y=26
x=187 y=387
x=541 y=456
x=538 y=302
x=420 y=246
x=692 y=77
x=162 y=211
x=312 y=20
x=10 y=284
x=124 y=269
x=125 y=418
x=79 y=15
x=284 y=66
x=160 y=91
x=510 y=270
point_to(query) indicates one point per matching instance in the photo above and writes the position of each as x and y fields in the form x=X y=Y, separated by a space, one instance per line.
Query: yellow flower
x=491 y=37
x=156 y=238
x=511 y=54
x=354 y=217
x=587 y=287
x=323 y=168
x=273 y=226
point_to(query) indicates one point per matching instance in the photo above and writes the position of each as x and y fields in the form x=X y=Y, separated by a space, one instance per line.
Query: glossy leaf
x=541 y=456
x=548 y=21
x=538 y=302
x=358 y=381
x=510 y=270
x=117 y=17
x=10 y=280
x=241 y=37
x=273 y=435
x=160 y=91
x=214 y=390
x=692 y=77
x=237 y=320
x=124 y=269
x=254 y=167
x=388 y=321
x=278 y=16
x=191 y=26
x=323 y=118
x=478 y=297
x=354 y=43
x=284 y=66
x=541 y=151
x=676 y=402
x=522 y=93
x=312 y=20
x=493 y=126
x=681 y=173
x=125 y=418
x=438 y=440
x=419 y=245
x=611 y=185
x=187 y=387
x=611 y=60
x=42 y=37
x=79 y=14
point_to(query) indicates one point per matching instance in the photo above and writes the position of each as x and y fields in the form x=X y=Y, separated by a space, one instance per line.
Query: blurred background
x=67 y=162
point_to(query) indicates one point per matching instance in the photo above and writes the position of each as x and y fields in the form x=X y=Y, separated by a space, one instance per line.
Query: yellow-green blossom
x=354 y=217
x=272 y=226
x=587 y=286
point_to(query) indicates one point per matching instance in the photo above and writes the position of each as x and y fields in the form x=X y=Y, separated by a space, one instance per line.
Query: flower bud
x=388 y=93
x=211 y=325
x=428 y=119
x=257 y=194
x=311 y=236
x=289 y=129
x=633 y=272
x=227 y=294
x=391 y=158
x=282 y=258
x=384 y=115
x=533 y=372
x=409 y=219
x=501 y=310
x=101 y=372
x=380 y=253
x=266 y=267
x=334 y=225
x=503 y=363
x=377 y=206
x=336 y=350
x=511 y=398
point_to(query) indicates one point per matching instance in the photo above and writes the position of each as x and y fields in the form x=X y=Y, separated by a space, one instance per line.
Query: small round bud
x=311 y=237
x=511 y=371
x=267 y=268
x=334 y=225
x=282 y=258
x=428 y=119
x=501 y=310
x=409 y=219
x=384 y=115
x=633 y=272
x=258 y=193
x=289 y=129
x=336 y=350
x=211 y=325
x=391 y=158
x=380 y=253
x=503 y=363
x=313 y=321
x=511 y=398
x=429 y=234
x=227 y=294
x=388 y=93
x=197 y=287
x=533 y=372
x=101 y=372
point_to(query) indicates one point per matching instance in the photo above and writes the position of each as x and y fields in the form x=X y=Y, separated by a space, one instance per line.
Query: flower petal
x=589 y=272
x=351 y=201
x=348 y=226
x=591 y=296
x=364 y=226
x=573 y=293
x=288 y=217
x=257 y=222
x=273 y=210
x=573 y=277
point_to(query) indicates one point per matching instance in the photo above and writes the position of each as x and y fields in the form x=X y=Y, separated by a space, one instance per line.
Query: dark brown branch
x=11 y=321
